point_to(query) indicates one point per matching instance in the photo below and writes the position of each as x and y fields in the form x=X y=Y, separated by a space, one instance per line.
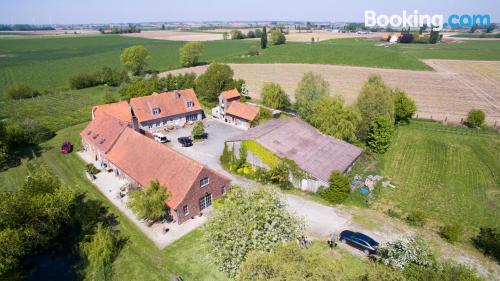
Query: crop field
x=456 y=50
x=46 y=63
x=176 y=35
x=445 y=94
x=450 y=174
x=295 y=36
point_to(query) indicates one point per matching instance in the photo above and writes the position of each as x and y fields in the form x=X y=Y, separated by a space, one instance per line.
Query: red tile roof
x=144 y=160
x=103 y=131
x=120 y=110
x=230 y=94
x=169 y=103
x=243 y=110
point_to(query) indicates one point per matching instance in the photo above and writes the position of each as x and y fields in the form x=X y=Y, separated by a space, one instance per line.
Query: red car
x=66 y=147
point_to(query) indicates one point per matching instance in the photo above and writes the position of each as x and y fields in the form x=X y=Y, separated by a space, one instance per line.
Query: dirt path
x=448 y=93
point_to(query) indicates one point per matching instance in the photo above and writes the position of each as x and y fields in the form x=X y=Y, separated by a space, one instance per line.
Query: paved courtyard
x=109 y=185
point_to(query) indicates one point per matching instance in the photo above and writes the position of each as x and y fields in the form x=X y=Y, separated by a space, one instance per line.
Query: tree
x=217 y=78
x=339 y=188
x=380 y=134
x=247 y=221
x=263 y=38
x=289 y=262
x=277 y=37
x=274 y=96
x=26 y=132
x=258 y=33
x=163 y=27
x=225 y=35
x=136 y=88
x=135 y=58
x=490 y=28
x=404 y=107
x=375 y=99
x=190 y=53
x=99 y=251
x=402 y=253
x=236 y=34
x=310 y=88
x=250 y=34
x=488 y=241
x=331 y=116
x=19 y=90
x=149 y=203
x=475 y=118
x=198 y=130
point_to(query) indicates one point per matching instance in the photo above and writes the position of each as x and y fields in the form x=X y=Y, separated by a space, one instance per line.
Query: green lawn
x=467 y=50
x=46 y=63
x=58 y=110
x=477 y=35
x=139 y=259
x=448 y=173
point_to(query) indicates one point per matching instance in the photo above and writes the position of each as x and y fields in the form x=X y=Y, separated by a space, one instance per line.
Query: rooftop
x=103 y=131
x=229 y=94
x=120 y=110
x=243 y=110
x=296 y=140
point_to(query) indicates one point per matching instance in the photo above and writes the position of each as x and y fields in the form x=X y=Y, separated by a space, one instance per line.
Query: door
x=205 y=201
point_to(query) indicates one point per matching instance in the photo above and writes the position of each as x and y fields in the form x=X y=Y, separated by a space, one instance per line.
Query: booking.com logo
x=417 y=20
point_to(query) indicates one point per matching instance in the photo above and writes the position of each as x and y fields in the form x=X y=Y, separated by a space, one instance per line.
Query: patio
x=110 y=186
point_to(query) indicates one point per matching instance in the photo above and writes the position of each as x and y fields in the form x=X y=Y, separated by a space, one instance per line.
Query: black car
x=360 y=241
x=185 y=141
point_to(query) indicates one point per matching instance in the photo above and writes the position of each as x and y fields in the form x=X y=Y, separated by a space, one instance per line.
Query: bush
x=441 y=272
x=20 y=91
x=339 y=188
x=149 y=203
x=404 y=107
x=402 y=253
x=416 y=219
x=250 y=34
x=27 y=132
x=198 y=130
x=475 y=118
x=236 y=34
x=91 y=169
x=111 y=77
x=488 y=241
x=277 y=37
x=83 y=80
x=253 y=51
x=274 y=96
x=380 y=134
x=451 y=233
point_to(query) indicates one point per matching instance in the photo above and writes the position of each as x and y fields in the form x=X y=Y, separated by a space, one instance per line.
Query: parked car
x=185 y=141
x=66 y=147
x=159 y=137
x=359 y=240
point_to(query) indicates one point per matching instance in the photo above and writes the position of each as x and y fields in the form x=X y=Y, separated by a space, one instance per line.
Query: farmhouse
x=316 y=154
x=168 y=109
x=121 y=149
x=234 y=112
x=119 y=110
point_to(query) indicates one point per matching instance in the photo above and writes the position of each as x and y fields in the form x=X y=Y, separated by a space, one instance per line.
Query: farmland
x=177 y=35
x=450 y=174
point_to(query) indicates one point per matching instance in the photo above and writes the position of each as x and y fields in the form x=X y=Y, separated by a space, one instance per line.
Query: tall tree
x=274 y=96
x=246 y=221
x=380 y=134
x=149 y=203
x=310 y=88
x=332 y=117
x=190 y=53
x=375 y=99
x=404 y=107
x=217 y=78
x=263 y=38
x=135 y=58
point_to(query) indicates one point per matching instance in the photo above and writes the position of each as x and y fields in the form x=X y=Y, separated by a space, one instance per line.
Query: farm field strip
x=441 y=94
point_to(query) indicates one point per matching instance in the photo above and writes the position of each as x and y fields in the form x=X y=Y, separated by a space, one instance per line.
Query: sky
x=125 y=11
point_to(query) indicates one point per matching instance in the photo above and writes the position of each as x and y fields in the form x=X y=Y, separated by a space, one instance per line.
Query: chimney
x=177 y=94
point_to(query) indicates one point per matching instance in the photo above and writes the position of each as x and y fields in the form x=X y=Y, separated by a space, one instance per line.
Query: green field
x=448 y=173
x=46 y=63
x=466 y=50
x=477 y=35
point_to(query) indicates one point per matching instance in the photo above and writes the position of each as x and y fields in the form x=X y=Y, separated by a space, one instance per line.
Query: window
x=185 y=209
x=205 y=201
x=150 y=126
x=189 y=104
x=156 y=111
x=192 y=117
x=204 y=182
x=223 y=190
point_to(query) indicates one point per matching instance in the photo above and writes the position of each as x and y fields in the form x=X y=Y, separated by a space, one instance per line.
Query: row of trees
x=104 y=76
x=372 y=119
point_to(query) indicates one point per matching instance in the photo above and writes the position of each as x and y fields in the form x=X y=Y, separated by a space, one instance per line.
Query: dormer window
x=189 y=104
x=156 y=111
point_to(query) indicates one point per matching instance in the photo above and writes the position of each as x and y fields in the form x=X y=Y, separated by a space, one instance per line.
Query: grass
x=449 y=174
x=139 y=259
x=468 y=50
x=46 y=63
x=477 y=35
x=58 y=110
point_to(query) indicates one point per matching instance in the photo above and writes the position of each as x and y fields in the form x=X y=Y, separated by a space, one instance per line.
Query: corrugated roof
x=243 y=110
x=315 y=153
x=103 y=131
x=168 y=103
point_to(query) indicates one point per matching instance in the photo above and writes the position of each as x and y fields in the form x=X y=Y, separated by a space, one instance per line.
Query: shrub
x=27 y=131
x=404 y=107
x=402 y=253
x=236 y=34
x=20 y=91
x=380 y=134
x=280 y=175
x=339 y=188
x=488 y=241
x=250 y=34
x=451 y=233
x=440 y=272
x=416 y=219
x=475 y=118
x=149 y=203
x=253 y=51
x=274 y=96
x=91 y=169
x=83 y=80
x=277 y=37
x=198 y=130
x=111 y=77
